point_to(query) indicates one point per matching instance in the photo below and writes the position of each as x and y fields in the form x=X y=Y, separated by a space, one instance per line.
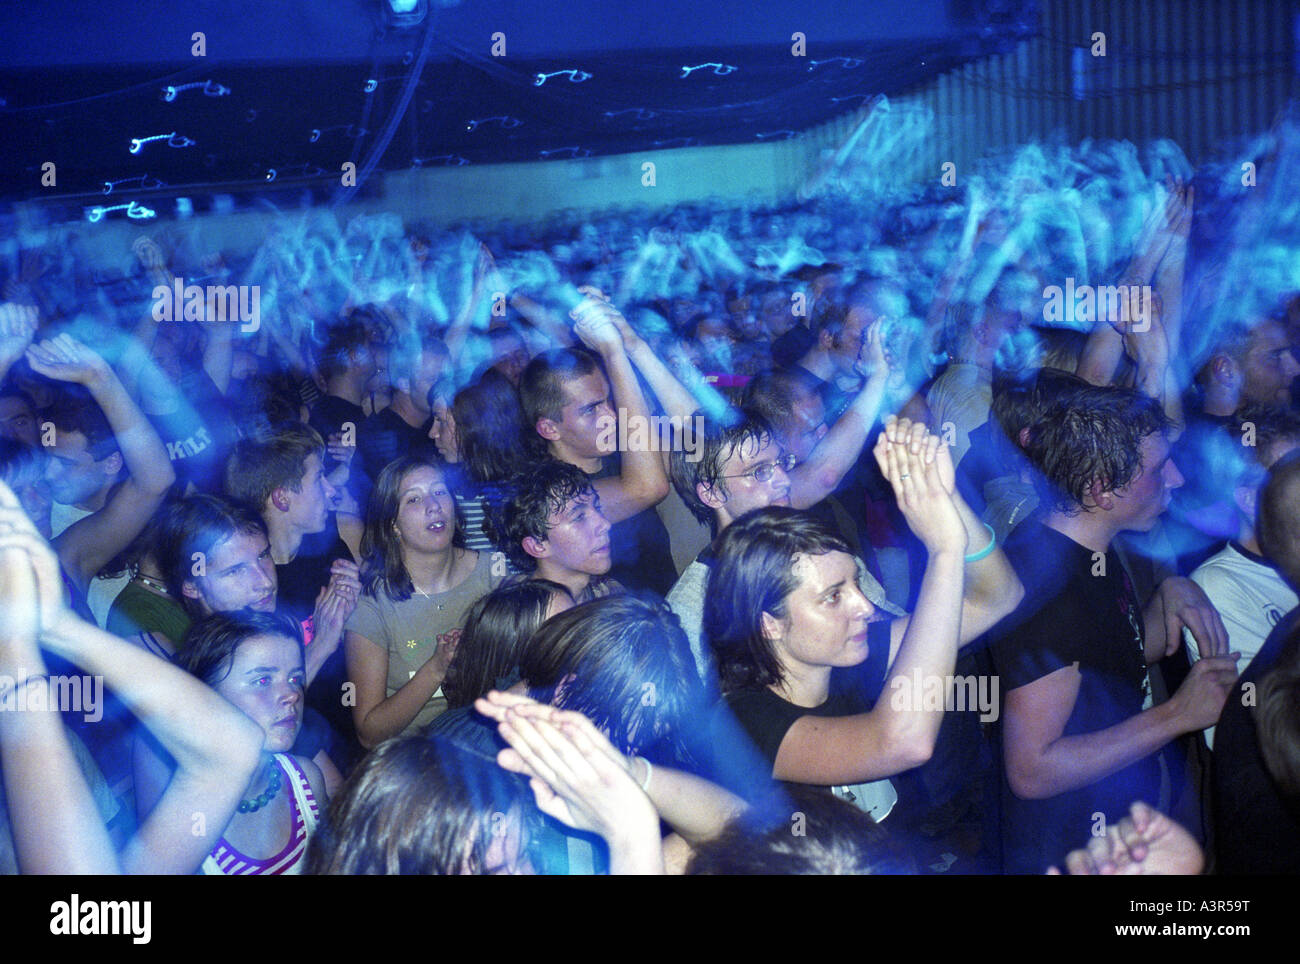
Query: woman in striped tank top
x=255 y=660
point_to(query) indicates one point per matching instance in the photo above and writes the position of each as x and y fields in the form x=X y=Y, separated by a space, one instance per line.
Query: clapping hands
x=65 y=359
x=598 y=324
x=335 y=604
x=578 y=777
x=919 y=468
x=31 y=590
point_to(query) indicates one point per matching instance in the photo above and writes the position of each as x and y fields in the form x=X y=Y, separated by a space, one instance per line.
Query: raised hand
x=576 y=779
x=596 y=327
x=65 y=359
x=1178 y=216
x=19 y=612
x=871 y=355
x=630 y=336
x=338 y=451
x=945 y=469
x=496 y=704
x=908 y=456
x=1144 y=337
x=17 y=329
x=18 y=532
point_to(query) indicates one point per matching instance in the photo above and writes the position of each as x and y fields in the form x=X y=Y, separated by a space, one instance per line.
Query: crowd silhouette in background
x=951 y=529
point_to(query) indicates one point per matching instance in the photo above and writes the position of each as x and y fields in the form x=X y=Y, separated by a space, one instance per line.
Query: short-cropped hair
x=773 y=394
x=1270 y=425
x=830 y=315
x=71 y=413
x=722 y=436
x=530 y=500
x=407 y=353
x=343 y=340
x=258 y=467
x=753 y=573
x=541 y=387
x=1091 y=436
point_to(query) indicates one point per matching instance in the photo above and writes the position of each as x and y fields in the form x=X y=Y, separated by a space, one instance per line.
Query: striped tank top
x=225 y=859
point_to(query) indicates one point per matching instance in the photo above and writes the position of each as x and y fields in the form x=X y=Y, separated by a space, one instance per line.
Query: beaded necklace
x=266 y=796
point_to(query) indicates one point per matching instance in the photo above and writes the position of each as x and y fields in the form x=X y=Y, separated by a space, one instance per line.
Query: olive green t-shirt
x=137 y=610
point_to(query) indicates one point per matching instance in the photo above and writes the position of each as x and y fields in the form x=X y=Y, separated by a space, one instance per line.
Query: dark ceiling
x=276 y=111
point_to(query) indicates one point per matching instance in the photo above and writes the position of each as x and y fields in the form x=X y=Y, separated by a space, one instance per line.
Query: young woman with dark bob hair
x=783 y=611
x=418 y=581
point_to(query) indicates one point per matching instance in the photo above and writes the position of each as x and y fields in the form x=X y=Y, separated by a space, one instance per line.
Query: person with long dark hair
x=496 y=628
x=481 y=435
x=418 y=582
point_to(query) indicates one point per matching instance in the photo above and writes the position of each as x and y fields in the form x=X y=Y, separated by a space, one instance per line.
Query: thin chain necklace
x=454 y=560
x=1127 y=605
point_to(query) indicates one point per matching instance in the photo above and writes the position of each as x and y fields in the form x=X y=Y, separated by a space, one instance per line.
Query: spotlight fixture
x=404 y=14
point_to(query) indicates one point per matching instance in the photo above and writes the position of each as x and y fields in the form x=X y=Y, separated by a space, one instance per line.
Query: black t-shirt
x=641 y=553
x=749 y=725
x=198 y=435
x=1256 y=830
x=329 y=415
x=301 y=579
x=383 y=437
x=788 y=348
x=1078 y=609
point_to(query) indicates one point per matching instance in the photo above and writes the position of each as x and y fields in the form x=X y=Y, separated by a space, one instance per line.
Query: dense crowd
x=944 y=530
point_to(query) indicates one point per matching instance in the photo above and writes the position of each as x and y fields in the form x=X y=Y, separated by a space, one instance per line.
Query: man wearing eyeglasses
x=740 y=467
